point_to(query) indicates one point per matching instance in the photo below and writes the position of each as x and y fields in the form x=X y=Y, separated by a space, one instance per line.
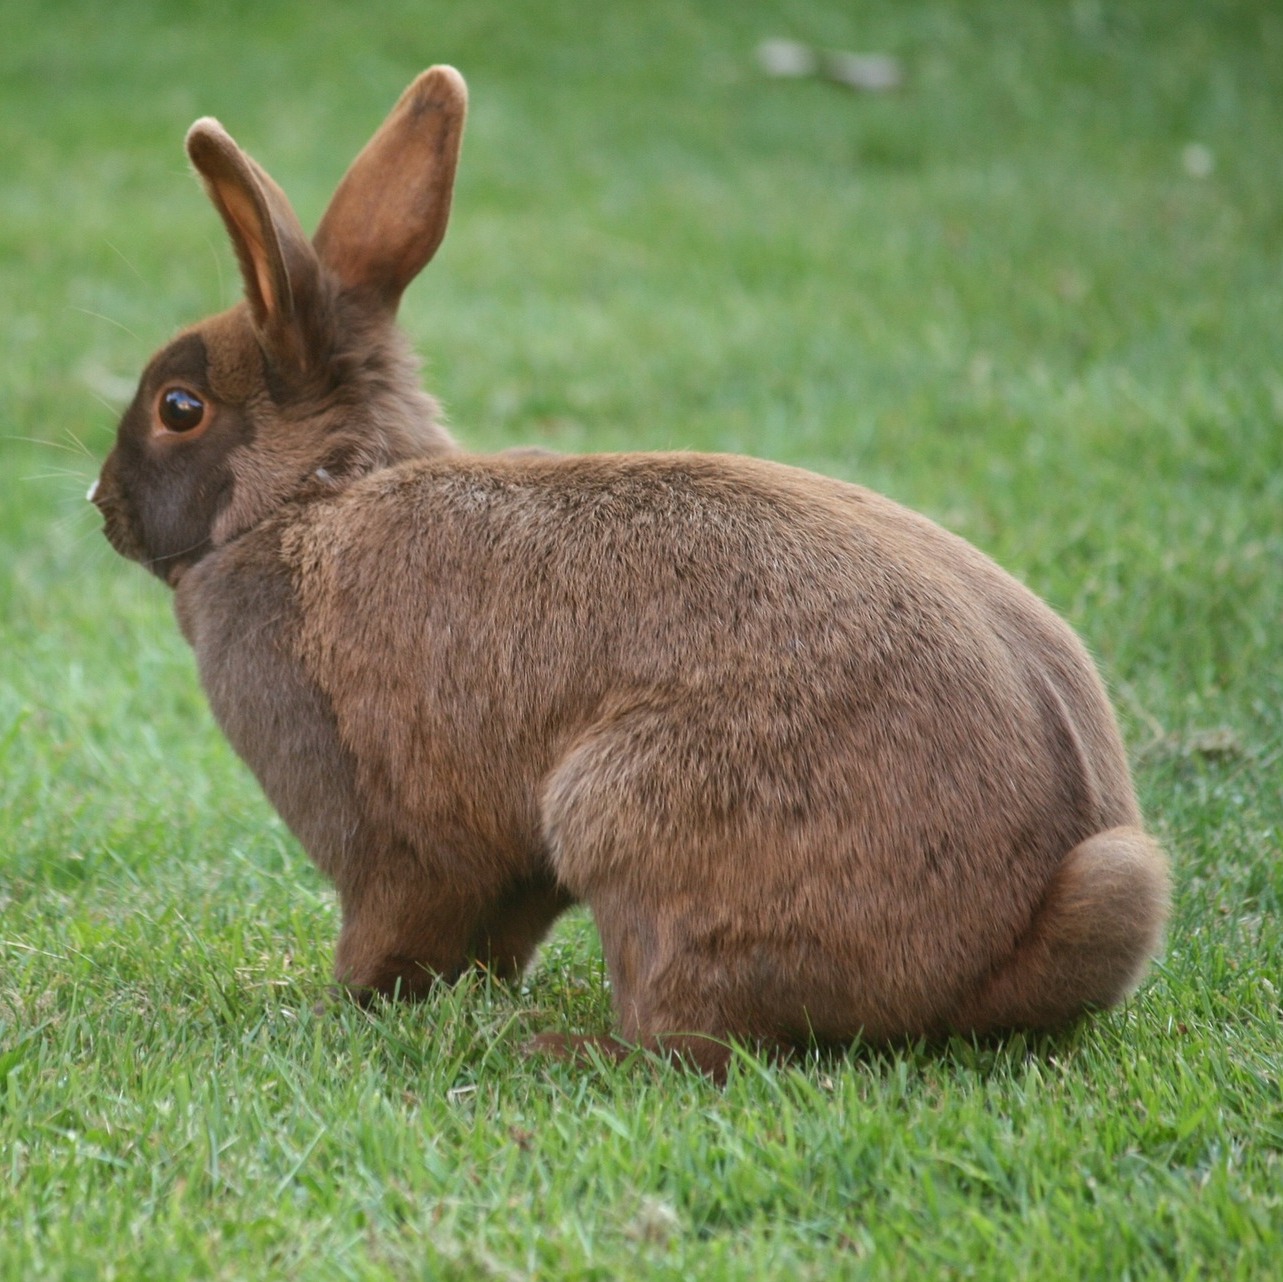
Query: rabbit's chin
x=117 y=530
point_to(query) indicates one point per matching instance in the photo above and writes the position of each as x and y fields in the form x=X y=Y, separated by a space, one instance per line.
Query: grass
x=1004 y=295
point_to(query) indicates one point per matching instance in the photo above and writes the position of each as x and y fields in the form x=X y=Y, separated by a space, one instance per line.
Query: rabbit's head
x=307 y=381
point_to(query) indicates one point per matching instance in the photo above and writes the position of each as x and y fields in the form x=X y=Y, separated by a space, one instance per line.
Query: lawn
x=1036 y=292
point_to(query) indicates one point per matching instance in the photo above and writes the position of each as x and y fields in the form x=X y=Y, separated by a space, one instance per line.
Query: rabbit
x=821 y=771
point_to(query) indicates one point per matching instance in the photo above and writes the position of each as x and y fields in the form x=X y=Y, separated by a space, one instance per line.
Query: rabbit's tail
x=1096 y=929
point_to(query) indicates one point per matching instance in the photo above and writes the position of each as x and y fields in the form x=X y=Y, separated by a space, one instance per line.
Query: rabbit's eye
x=181 y=410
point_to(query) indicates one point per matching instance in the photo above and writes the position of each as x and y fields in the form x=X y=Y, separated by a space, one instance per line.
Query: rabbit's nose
x=92 y=492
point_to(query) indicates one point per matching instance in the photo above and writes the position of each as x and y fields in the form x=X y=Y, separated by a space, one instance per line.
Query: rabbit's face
x=171 y=477
x=205 y=449
x=225 y=428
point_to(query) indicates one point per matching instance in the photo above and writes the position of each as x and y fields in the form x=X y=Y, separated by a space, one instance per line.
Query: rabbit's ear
x=390 y=211
x=276 y=258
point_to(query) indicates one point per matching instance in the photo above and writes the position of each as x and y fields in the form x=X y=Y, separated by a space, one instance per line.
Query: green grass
x=998 y=295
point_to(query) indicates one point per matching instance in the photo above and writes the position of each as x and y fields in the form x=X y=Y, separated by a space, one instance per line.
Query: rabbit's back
x=538 y=590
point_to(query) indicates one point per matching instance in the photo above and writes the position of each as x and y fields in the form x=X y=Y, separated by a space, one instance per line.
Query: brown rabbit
x=819 y=768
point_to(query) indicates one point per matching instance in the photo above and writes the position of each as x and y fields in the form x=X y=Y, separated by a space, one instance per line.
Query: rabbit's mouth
x=120 y=534
x=165 y=547
x=116 y=525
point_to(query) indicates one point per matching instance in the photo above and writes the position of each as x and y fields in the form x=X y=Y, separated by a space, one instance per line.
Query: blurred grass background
x=1035 y=293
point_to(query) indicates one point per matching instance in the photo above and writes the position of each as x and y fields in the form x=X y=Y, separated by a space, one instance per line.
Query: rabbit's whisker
x=85 y=311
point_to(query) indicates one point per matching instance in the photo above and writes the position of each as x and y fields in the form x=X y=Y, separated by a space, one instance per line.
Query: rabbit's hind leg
x=626 y=821
x=667 y=998
x=682 y=986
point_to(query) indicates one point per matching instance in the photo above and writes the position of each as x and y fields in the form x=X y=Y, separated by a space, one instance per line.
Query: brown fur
x=819 y=768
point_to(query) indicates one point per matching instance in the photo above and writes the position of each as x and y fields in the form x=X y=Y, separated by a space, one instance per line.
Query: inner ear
x=278 y=264
x=389 y=214
x=268 y=285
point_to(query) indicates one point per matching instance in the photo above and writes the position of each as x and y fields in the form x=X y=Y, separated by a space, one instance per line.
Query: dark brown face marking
x=168 y=478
